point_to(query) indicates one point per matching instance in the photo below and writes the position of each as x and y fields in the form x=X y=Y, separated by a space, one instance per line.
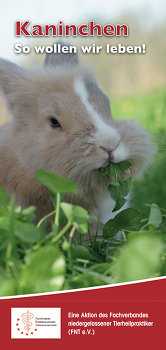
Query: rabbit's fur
x=77 y=150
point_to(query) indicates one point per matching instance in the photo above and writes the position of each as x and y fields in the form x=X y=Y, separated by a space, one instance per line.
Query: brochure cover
x=82 y=174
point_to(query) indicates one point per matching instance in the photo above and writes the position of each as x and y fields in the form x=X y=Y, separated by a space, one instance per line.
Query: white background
x=43 y=332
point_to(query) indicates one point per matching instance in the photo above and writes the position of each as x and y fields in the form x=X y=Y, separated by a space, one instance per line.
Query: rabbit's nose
x=110 y=153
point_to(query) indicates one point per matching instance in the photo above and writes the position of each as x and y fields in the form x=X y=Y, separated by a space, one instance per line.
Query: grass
x=148 y=109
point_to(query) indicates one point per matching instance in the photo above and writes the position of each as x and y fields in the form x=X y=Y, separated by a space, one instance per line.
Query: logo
x=24 y=325
x=42 y=323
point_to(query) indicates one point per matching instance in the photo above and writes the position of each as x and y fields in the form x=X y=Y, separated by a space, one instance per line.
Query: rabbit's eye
x=54 y=122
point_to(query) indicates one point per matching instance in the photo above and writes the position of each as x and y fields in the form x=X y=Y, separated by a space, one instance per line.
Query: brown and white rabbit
x=62 y=122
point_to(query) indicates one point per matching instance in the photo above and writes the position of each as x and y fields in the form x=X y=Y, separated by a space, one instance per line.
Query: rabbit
x=62 y=122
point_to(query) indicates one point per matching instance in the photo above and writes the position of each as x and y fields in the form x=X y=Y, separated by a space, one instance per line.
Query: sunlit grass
x=148 y=109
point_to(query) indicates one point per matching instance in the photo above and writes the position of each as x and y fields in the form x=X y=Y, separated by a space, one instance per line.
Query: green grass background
x=149 y=109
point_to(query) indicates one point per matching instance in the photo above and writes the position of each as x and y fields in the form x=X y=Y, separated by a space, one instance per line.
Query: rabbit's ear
x=12 y=80
x=56 y=59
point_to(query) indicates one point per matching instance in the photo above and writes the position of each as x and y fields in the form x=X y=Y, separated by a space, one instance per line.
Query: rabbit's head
x=62 y=120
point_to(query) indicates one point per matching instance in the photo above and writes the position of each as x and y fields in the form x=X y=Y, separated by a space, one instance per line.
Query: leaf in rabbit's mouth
x=118 y=187
x=103 y=168
x=116 y=168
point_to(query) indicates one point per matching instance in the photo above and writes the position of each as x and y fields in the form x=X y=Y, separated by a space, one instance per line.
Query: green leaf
x=29 y=213
x=138 y=258
x=77 y=216
x=128 y=219
x=8 y=287
x=124 y=166
x=4 y=218
x=4 y=237
x=155 y=217
x=80 y=252
x=44 y=270
x=116 y=169
x=56 y=183
x=27 y=232
x=89 y=279
x=4 y=198
x=115 y=192
x=114 y=183
x=118 y=188
x=72 y=211
x=102 y=268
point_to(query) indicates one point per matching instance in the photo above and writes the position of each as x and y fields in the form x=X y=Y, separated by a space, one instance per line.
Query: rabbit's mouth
x=102 y=169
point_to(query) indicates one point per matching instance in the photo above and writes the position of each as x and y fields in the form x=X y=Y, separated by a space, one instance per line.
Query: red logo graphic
x=27 y=324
